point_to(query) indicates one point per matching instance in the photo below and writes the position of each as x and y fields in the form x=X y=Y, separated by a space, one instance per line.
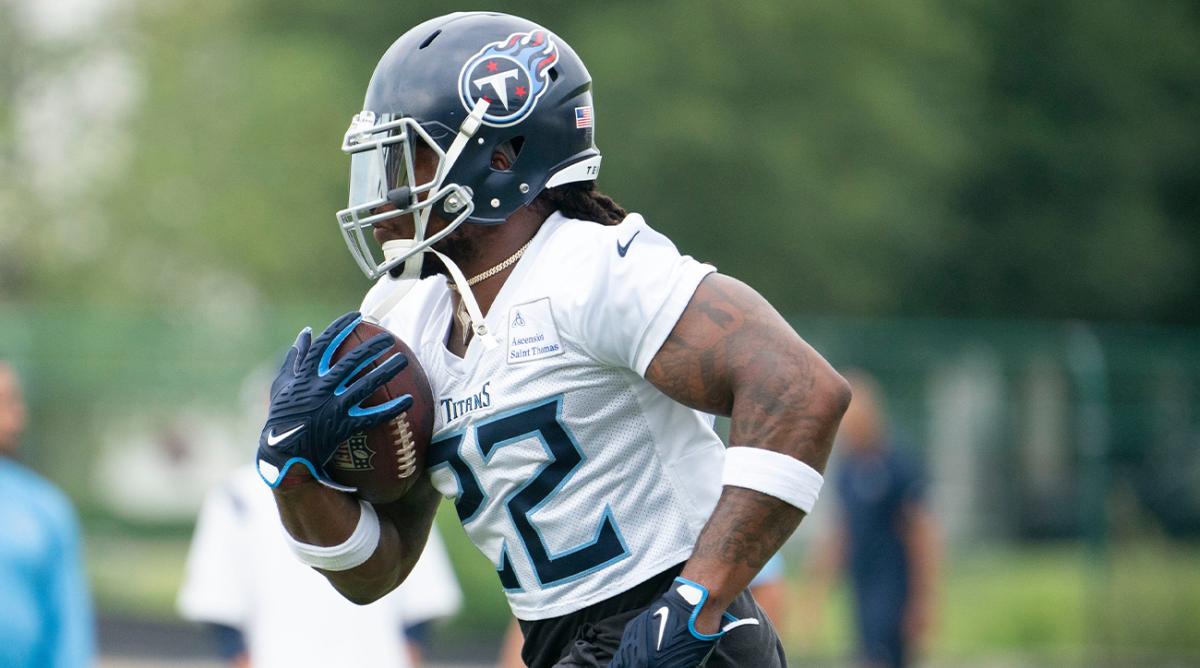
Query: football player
x=576 y=358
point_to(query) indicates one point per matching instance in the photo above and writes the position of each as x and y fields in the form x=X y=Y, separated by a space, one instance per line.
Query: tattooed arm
x=732 y=354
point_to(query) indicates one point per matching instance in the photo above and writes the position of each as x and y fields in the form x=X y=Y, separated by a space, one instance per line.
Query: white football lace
x=406 y=454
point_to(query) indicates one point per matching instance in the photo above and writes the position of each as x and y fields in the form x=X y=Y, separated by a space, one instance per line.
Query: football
x=384 y=461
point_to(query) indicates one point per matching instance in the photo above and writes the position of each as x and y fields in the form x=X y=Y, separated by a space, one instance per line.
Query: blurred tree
x=921 y=158
x=1082 y=197
x=68 y=83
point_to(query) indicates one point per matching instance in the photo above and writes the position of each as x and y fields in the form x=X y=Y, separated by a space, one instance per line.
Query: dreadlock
x=581 y=200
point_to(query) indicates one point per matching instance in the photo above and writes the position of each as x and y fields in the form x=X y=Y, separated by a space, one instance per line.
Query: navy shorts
x=589 y=637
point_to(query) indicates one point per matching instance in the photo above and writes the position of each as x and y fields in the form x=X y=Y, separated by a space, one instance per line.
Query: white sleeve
x=639 y=288
x=211 y=589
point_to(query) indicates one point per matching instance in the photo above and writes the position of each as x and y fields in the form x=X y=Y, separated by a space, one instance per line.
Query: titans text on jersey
x=452 y=409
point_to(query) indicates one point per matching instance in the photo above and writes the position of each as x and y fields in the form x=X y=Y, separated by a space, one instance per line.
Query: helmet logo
x=510 y=75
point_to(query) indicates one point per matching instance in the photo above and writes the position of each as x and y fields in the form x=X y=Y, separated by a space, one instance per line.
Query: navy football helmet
x=465 y=86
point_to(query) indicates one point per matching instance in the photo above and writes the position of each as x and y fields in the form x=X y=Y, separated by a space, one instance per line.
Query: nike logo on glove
x=664 y=611
x=622 y=250
x=275 y=439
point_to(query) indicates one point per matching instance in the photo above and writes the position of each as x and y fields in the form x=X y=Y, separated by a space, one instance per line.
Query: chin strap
x=463 y=313
x=459 y=284
x=468 y=312
x=465 y=131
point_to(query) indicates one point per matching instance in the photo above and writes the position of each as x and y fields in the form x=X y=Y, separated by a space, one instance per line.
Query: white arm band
x=773 y=473
x=354 y=551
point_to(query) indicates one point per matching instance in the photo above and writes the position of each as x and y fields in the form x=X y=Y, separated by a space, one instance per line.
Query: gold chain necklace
x=500 y=267
x=464 y=318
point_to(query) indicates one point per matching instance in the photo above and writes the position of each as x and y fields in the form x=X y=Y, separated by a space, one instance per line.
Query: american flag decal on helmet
x=583 y=117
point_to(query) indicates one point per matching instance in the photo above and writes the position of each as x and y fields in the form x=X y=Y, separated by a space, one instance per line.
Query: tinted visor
x=383 y=163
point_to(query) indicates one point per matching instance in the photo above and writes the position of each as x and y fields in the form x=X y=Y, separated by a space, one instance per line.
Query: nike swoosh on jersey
x=275 y=439
x=622 y=250
x=662 y=623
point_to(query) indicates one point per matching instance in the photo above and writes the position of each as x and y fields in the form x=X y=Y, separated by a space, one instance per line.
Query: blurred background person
x=265 y=609
x=45 y=606
x=884 y=536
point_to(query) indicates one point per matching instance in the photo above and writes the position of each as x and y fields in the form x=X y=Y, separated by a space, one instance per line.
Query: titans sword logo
x=510 y=75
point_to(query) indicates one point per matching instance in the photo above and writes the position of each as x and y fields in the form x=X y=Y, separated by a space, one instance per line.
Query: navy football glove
x=315 y=403
x=665 y=635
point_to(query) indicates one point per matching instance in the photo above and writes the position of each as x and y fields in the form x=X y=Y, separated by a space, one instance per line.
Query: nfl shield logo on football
x=353 y=454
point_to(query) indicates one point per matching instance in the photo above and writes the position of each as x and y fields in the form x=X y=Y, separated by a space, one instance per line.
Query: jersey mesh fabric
x=624 y=477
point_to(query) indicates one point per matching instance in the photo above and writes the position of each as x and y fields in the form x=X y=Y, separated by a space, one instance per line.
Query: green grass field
x=1055 y=605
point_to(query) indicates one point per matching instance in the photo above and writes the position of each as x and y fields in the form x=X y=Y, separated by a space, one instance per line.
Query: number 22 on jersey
x=542 y=422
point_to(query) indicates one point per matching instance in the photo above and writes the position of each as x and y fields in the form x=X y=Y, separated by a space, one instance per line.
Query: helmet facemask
x=383 y=149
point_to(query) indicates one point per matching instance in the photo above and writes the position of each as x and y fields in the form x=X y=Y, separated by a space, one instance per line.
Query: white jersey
x=573 y=474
